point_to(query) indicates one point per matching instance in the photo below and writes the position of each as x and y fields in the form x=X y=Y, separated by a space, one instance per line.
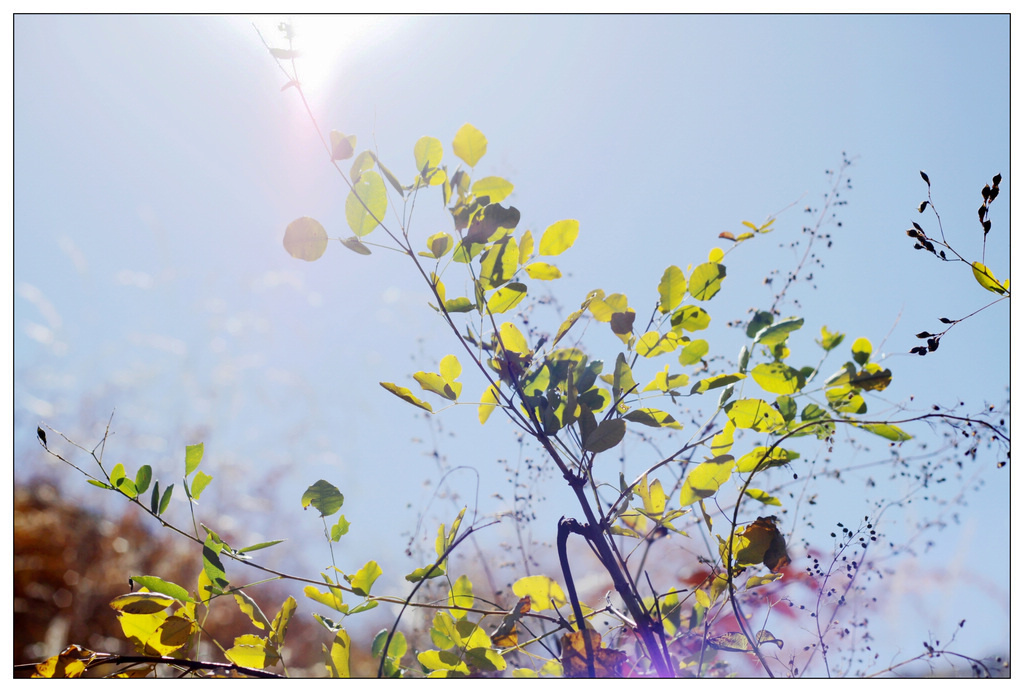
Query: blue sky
x=157 y=163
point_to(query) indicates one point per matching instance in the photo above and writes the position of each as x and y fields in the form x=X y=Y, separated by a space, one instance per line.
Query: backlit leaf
x=690 y=318
x=861 y=350
x=406 y=395
x=756 y=414
x=777 y=378
x=777 y=333
x=323 y=497
x=983 y=275
x=305 y=239
x=542 y=271
x=671 y=289
x=362 y=581
x=716 y=382
x=366 y=204
x=706 y=280
x=889 y=432
x=559 y=237
x=544 y=592
x=428 y=152
x=469 y=144
x=342 y=147
x=607 y=434
x=492 y=187
x=355 y=245
x=693 y=352
x=652 y=417
x=506 y=298
x=705 y=480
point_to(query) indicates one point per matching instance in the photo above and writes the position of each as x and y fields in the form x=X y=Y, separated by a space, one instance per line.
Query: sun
x=323 y=42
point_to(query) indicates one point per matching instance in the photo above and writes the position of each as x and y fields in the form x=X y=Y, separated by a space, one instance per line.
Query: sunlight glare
x=324 y=42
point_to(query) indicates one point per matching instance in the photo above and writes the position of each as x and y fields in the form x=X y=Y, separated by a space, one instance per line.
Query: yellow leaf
x=469 y=145
x=559 y=237
x=983 y=275
x=492 y=187
x=544 y=592
x=543 y=271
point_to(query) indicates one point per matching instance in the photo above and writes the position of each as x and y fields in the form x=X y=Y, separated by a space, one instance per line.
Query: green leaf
x=339 y=529
x=607 y=434
x=428 y=572
x=199 y=484
x=323 y=497
x=706 y=280
x=494 y=188
x=716 y=382
x=889 y=432
x=846 y=399
x=212 y=564
x=559 y=237
x=763 y=497
x=690 y=318
x=99 y=484
x=143 y=478
x=361 y=164
x=165 y=501
x=158 y=585
x=305 y=239
x=777 y=378
x=829 y=340
x=428 y=152
x=259 y=546
x=671 y=289
x=439 y=244
x=761 y=319
x=760 y=458
x=705 y=480
x=406 y=395
x=469 y=144
x=756 y=414
x=461 y=304
x=983 y=275
x=362 y=581
x=654 y=344
x=193 y=455
x=777 y=333
x=693 y=352
x=364 y=216
x=652 y=417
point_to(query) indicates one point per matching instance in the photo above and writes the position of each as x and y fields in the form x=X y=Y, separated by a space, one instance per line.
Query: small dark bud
x=925 y=178
x=924 y=205
x=919 y=350
x=987 y=225
x=912 y=233
x=985 y=192
x=996 y=179
x=924 y=335
x=917 y=226
x=942 y=254
x=945 y=320
x=981 y=212
x=41 y=434
x=933 y=343
x=995 y=191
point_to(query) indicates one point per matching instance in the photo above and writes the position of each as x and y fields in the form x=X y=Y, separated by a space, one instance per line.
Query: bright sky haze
x=158 y=162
